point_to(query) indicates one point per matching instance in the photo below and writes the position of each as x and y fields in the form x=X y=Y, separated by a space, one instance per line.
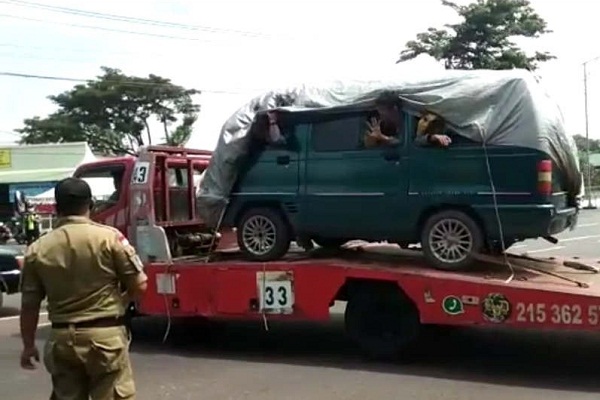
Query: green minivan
x=324 y=185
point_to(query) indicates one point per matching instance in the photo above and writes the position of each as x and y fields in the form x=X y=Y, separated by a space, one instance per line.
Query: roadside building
x=34 y=170
x=595 y=161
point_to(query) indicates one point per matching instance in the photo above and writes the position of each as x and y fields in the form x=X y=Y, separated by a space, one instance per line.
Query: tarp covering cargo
x=507 y=107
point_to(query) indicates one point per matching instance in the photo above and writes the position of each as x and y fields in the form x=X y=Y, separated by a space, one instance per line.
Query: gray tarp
x=499 y=107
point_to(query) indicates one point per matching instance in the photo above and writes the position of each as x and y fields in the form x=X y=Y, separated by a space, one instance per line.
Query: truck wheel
x=329 y=243
x=382 y=321
x=263 y=234
x=450 y=239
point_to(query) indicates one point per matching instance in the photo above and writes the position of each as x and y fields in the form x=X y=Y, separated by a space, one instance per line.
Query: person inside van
x=386 y=131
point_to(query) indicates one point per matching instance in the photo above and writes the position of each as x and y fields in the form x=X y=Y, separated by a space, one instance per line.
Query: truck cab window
x=106 y=184
x=177 y=177
x=177 y=184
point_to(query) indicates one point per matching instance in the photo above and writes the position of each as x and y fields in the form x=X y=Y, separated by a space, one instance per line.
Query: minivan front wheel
x=450 y=239
x=263 y=234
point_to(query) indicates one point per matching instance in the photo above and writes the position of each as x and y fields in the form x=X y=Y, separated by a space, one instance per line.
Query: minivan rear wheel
x=263 y=234
x=450 y=239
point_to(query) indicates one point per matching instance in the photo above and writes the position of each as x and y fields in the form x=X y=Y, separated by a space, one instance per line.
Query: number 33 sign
x=275 y=292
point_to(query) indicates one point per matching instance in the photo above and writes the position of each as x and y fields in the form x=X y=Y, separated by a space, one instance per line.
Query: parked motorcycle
x=15 y=227
x=5 y=233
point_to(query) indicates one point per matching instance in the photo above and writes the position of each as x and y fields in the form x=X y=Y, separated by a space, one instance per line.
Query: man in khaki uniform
x=82 y=268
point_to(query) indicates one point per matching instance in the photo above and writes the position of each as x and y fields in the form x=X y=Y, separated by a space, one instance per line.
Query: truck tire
x=450 y=239
x=263 y=234
x=382 y=321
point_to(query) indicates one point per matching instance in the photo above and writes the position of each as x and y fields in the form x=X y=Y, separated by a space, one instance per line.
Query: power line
x=133 y=20
x=21 y=56
x=79 y=80
x=83 y=50
x=157 y=35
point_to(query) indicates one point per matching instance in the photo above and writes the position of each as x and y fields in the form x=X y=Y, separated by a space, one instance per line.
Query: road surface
x=312 y=361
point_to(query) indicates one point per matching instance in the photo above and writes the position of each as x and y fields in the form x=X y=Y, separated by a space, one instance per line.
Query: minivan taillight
x=545 y=177
x=20 y=261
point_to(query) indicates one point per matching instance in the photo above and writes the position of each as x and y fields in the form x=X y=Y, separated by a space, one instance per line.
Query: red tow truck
x=390 y=292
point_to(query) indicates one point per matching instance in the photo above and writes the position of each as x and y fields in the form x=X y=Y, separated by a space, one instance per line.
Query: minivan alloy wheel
x=259 y=234
x=451 y=241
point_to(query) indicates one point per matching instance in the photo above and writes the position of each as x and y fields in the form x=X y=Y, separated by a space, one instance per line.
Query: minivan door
x=352 y=192
x=271 y=173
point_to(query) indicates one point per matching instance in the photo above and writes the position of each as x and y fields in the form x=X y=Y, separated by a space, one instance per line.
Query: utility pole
x=588 y=173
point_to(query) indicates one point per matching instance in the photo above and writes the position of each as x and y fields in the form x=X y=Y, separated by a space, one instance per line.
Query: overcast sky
x=245 y=47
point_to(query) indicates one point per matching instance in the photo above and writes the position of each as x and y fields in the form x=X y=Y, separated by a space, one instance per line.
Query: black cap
x=72 y=188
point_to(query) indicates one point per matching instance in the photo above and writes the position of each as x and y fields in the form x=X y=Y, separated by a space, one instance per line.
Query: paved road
x=311 y=361
x=583 y=242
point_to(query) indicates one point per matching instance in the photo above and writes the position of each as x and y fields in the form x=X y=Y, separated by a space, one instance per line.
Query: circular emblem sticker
x=452 y=305
x=496 y=308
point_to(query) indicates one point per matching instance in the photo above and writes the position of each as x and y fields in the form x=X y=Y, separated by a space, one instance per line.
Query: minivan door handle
x=283 y=160
x=391 y=156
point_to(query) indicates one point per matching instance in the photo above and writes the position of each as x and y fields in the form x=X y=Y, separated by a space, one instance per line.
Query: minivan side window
x=340 y=134
x=457 y=140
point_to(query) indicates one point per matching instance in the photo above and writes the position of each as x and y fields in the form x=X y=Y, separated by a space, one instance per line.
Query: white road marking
x=546 y=249
x=13 y=317
x=586 y=225
x=571 y=239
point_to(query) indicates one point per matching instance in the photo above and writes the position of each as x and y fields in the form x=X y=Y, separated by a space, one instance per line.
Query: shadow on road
x=551 y=360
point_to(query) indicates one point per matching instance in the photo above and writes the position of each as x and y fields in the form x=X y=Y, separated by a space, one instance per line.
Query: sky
x=241 y=48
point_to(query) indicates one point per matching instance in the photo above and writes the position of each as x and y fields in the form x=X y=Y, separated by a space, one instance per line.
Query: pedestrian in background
x=32 y=224
x=89 y=273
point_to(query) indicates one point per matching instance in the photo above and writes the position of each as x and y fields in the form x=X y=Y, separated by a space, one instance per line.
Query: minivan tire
x=457 y=256
x=270 y=228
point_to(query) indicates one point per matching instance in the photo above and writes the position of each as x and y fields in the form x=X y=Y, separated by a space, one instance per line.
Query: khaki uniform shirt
x=82 y=268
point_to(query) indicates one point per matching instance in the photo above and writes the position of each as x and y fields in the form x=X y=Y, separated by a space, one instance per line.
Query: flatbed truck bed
x=390 y=292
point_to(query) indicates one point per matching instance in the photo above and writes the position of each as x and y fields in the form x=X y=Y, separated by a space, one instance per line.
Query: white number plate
x=140 y=172
x=558 y=314
x=275 y=292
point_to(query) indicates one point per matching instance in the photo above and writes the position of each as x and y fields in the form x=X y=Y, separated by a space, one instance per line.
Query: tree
x=483 y=39
x=581 y=143
x=113 y=114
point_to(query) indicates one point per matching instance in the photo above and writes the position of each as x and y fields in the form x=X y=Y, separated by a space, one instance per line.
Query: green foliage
x=581 y=143
x=113 y=114
x=483 y=39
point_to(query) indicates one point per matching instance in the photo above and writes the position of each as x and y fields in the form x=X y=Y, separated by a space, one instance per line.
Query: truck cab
x=155 y=189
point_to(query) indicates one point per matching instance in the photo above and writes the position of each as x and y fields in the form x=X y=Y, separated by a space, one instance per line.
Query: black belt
x=106 y=322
